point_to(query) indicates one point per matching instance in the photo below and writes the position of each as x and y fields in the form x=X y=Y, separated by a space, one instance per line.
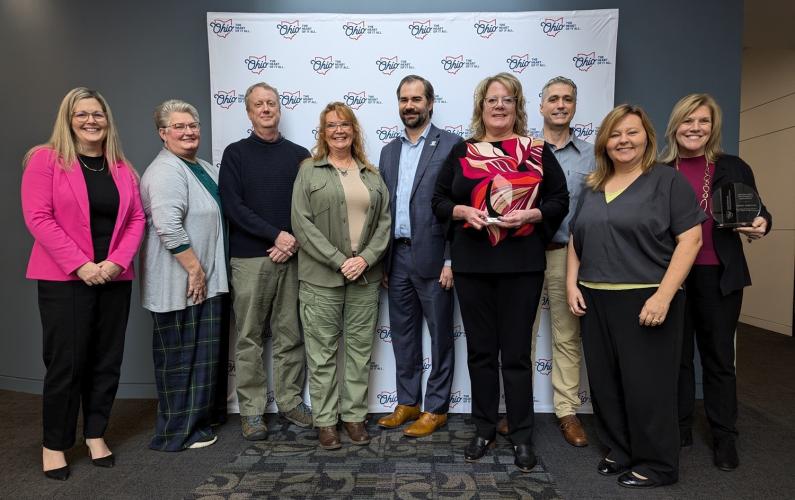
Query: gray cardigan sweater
x=179 y=211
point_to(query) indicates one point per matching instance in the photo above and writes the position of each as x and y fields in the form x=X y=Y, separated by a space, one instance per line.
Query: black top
x=103 y=203
x=632 y=238
x=470 y=249
x=256 y=186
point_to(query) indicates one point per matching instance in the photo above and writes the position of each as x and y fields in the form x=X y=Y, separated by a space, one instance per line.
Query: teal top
x=211 y=186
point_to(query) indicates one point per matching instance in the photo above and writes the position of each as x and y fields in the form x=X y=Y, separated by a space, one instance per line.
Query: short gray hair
x=164 y=110
x=563 y=80
x=263 y=86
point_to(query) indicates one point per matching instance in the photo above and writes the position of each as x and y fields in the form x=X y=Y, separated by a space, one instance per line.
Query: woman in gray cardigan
x=183 y=279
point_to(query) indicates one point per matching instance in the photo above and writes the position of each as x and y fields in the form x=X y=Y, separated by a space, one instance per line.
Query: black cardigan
x=728 y=244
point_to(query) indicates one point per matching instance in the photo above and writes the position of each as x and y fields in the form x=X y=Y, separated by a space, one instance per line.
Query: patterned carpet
x=291 y=465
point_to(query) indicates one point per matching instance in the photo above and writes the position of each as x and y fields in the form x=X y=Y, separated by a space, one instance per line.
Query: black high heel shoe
x=106 y=462
x=60 y=474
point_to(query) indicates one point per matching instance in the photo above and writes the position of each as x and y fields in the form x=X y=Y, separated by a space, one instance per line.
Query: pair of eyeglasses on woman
x=83 y=116
x=336 y=125
x=507 y=101
x=181 y=127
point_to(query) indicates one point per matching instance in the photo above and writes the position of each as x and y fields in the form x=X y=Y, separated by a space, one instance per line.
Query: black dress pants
x=711 y=318
x=632 y=370
x=83 y=329
x=498 y=311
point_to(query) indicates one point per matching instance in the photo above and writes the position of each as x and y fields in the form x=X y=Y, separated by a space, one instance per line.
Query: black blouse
x=103 y=203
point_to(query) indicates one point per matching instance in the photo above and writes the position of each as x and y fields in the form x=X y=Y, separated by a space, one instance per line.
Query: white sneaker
x=203 y=442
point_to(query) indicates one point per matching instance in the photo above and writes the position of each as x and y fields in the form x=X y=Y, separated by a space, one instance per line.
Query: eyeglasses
x=507 y=101
x=181 y=127
x=343 y=125
x=82 y=116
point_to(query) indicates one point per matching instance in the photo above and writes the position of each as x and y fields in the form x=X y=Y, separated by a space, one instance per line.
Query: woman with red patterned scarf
x=504 y=196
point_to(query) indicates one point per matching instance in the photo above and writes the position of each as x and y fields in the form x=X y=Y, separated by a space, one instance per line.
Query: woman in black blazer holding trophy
x=714 y=287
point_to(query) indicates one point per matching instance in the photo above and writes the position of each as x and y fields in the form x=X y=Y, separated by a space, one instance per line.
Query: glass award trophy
x=499 y=196
x=735 y=205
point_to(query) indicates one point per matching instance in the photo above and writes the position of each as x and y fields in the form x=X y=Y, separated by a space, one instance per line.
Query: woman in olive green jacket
x=341 y=219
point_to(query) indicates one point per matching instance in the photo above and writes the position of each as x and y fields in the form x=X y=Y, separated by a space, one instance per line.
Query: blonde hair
x=604 y=165
x=62 y=141
x=514 y=86
x=357 y=147
x=684 y=108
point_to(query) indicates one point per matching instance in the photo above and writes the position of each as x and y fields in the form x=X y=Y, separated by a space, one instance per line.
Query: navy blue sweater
x=256 y=185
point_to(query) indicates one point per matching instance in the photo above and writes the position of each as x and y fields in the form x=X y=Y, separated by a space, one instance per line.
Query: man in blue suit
x=418 y=275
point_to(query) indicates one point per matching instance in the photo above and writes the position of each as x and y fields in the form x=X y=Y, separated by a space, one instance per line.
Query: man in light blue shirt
x=418 y=276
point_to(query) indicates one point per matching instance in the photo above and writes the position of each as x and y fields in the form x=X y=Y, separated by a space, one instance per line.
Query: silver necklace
x=344 y=171
x=89 y=168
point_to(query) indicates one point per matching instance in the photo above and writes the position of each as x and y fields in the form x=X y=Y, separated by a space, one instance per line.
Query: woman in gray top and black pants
x=183 y=280
x=635 y=234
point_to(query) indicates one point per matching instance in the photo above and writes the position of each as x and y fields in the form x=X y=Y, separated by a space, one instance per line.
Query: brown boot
x=426 y=425
x=329 y=438
x=400 y=416
x=357 y=432
x=573 y=432
x=502 y=426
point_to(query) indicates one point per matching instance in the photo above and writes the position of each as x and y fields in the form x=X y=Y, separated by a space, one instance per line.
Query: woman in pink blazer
x=81 y=204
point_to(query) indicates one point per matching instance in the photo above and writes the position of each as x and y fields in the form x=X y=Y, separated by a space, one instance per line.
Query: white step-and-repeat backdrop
x=314 y=59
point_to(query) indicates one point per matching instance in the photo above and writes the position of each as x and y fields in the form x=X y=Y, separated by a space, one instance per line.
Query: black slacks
x=498 y=311
x=83 y=329
x=711 y=318
x=633 y=372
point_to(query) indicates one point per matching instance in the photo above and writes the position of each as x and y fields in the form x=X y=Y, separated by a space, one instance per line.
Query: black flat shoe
x=607 y=468
x=524 y=458
x=629 y=480
x=106 y=462
x=725 y=455
x=477 y=448
x=61 y=474
x=685 y=438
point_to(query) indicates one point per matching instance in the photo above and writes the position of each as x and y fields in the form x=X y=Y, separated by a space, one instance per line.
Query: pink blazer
x=55 y=207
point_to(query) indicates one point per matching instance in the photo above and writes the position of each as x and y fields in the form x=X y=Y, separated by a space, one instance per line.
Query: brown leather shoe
x=357 y=433
x=572 y=430
x=400 y=416
x=329 y=438
x=502 y=426
x=426 y=425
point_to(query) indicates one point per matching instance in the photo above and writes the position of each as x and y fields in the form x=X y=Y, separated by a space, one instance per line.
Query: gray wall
x=140 y=53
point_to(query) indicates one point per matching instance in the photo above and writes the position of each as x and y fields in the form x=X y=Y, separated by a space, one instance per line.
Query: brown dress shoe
x=400 y=416
x=357 y=433
x=572 y=430
x=329 y=438
x=502 y=426
x=426 y=425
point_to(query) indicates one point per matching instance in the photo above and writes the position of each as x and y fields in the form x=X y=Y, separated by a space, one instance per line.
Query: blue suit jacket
x=427 y=232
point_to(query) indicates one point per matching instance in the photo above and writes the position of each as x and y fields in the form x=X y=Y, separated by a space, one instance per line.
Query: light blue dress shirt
x=577 y=160
x=407 y=169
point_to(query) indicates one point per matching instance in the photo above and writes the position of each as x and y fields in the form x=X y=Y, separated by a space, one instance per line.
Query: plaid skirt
x=185 y=348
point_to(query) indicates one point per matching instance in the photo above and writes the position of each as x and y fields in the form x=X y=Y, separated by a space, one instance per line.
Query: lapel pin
x=433 y=143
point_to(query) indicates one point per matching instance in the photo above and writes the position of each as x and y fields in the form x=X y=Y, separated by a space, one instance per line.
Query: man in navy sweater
x=256 y=183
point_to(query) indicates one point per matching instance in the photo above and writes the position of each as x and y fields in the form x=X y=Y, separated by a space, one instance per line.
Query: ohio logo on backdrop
x=584 y=61
x=288 y=29
x=230 y=367
x=356 y=29
x=375 y=367
x=584 y=131
x=426 y=363
x=323 y=64
x=584 y=396
x=544 y=366
x=458 y=329
x=270 y=398
x=458 y=397
x=421 y=29
x=387 y=65
x=356 y=100
x=551 y=27
x=386 y=398
x=517 y=64
x=460 y=131
x=486 y=28
x=384 y=333
x=290 y=100
x=222 y=28
x=226 y=98
x=453 y=64
x=257 y=64
x=386 y=134
x=544 y=297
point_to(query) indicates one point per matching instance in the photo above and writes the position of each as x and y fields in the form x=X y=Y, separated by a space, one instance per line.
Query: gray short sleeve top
x=632 y=238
